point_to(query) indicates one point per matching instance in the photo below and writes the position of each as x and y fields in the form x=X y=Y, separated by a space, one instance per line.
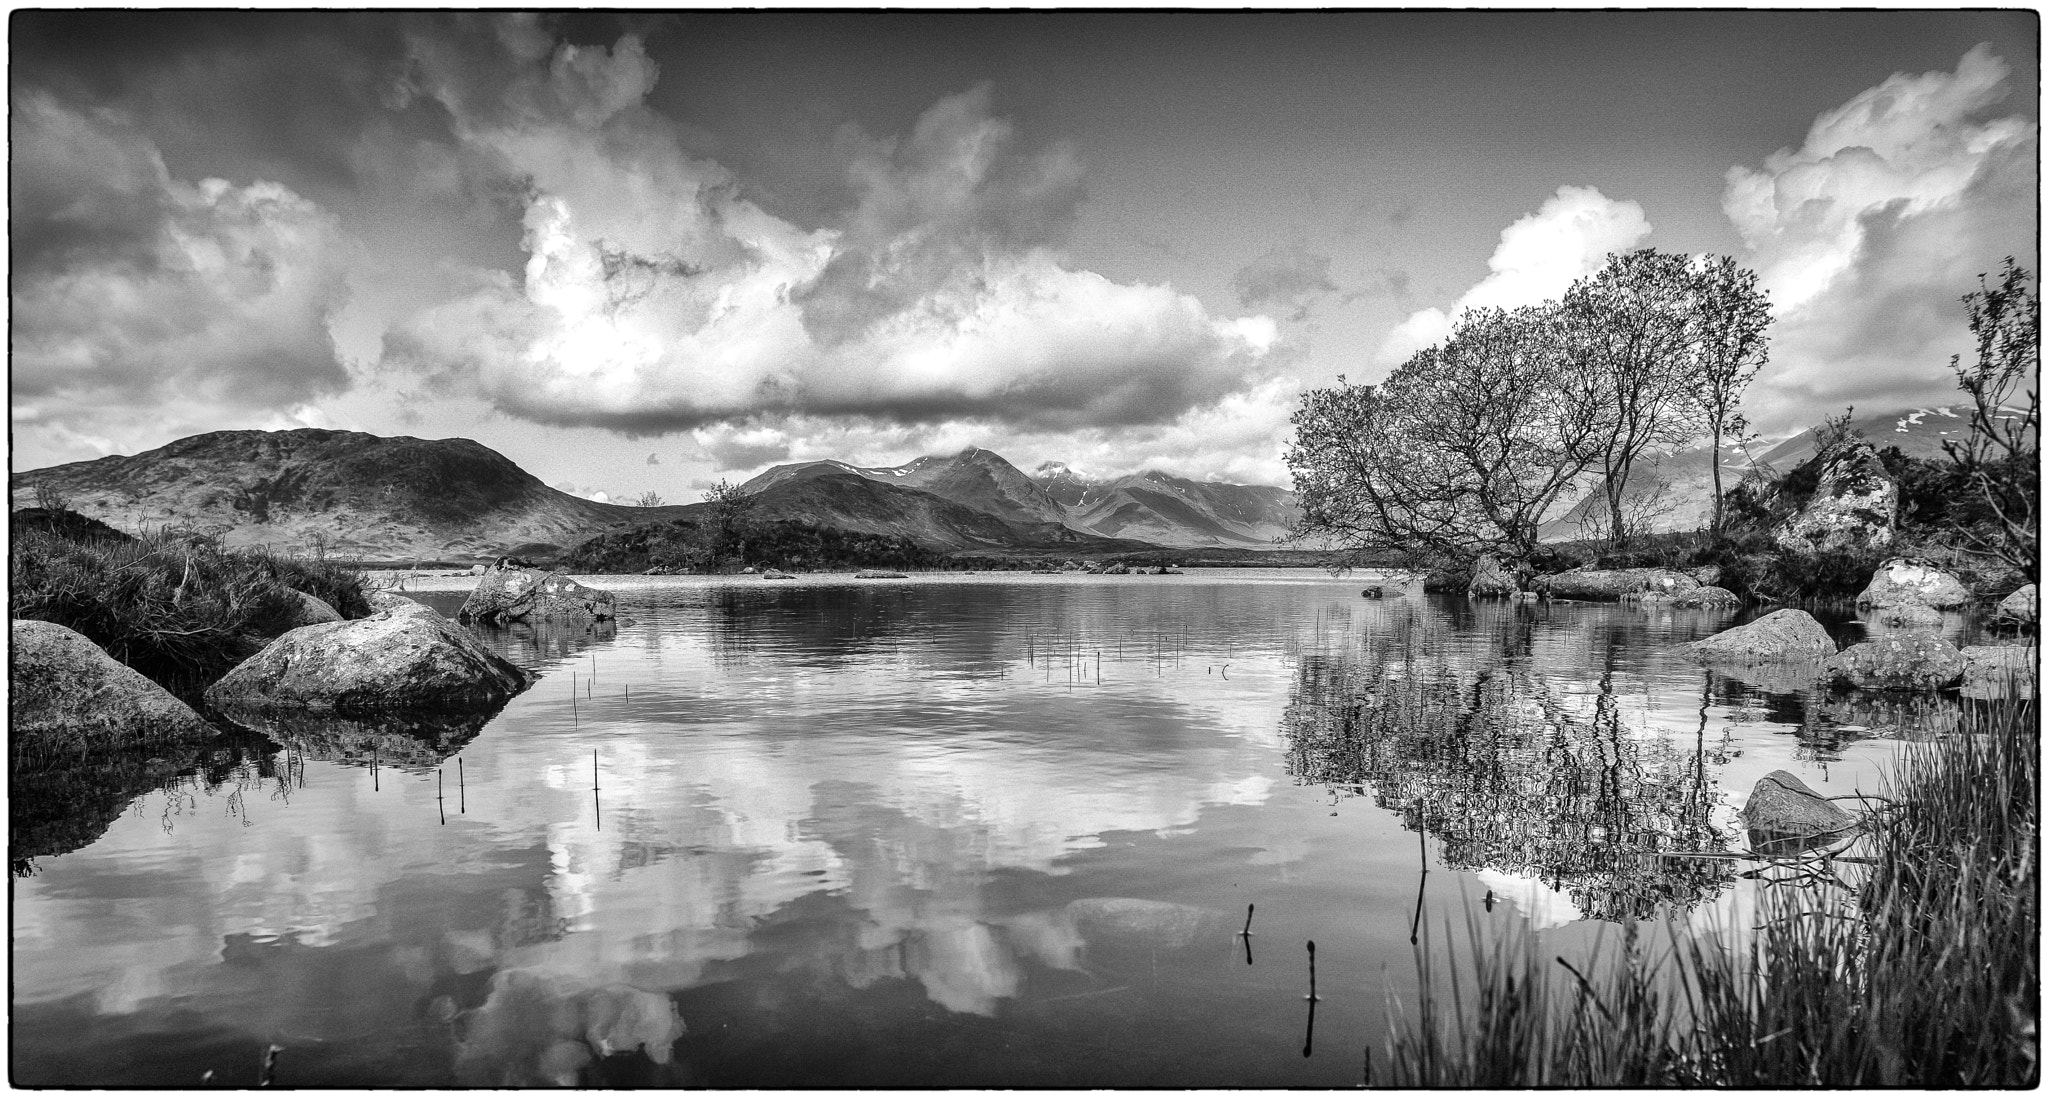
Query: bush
x=172 y=605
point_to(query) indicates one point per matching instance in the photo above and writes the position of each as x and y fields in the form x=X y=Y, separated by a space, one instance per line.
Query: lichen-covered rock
x=312 y=611
x=1784 y=812
x=513 y=593
x=1610 y=584
x=1854 y=506
x=1999 y=671
x=2018 y=607
x=1490 y=580
x=1903 y=661
x=386 y=600
x=67 y=695
x=1707 y=598
x=404 y=657
x=1907 y=617
x=1782 y=635
x=1903 y=582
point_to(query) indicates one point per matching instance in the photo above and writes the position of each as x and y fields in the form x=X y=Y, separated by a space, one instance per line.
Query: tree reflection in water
x=1509 y=771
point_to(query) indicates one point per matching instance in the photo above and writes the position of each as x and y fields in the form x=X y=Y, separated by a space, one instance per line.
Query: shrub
x=172 y=605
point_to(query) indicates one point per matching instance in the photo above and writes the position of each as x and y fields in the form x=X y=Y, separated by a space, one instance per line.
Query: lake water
x=951 y=831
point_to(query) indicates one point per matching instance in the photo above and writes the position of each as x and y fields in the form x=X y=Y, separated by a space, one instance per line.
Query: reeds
x=1922 y=972
x=175 y=606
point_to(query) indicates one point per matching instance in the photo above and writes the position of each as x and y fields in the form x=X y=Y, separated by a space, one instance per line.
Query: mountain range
x=400 y=499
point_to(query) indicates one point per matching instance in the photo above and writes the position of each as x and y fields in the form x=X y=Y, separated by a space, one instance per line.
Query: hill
x=352 y=494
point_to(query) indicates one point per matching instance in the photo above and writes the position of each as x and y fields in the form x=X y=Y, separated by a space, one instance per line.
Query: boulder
x=772 y=574
x=2019 y=607
x=1610 y=584
x=1117 y=570
x=386 y=600
x=520 y=594
x=1903 y=582
x=476 y=569
x=1707 y=598
x=1906 y=617
x=1999 y=671
x=313 y=611
x=67 y=695
x=1902 y=661
x=1854 y=506
x=1375 y=591
x=1490 y=580
x=404 y=657
x=1779 y=636
x=1783 y=814
x=1708 y=574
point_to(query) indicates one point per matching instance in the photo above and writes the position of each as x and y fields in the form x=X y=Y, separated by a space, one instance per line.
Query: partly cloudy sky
x=644 y=253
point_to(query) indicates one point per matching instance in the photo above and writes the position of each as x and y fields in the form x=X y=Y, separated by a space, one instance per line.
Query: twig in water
x=1311 y=996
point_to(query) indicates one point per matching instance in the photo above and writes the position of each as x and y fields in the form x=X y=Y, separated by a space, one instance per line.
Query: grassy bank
x=176 y=607
x=1920 y=968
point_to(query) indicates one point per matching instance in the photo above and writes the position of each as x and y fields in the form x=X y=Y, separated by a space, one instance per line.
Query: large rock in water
x=67 y=695
x=2019 y=607
x=1782 y=635
x=1902 y=661
x=1490 y=580
x=1784 y=814
x=1902 y=582
x=523 y=594
x=403 y=657
x=1610 y=584
x=1854 y=506
x=2000 y=671
x=1708 y=598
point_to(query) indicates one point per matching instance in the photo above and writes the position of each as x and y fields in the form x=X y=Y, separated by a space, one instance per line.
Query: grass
x=1920 y=971
x=174 y=606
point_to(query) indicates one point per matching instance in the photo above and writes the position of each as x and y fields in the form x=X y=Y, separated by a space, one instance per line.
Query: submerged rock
x=1784 y=814
x=521 y=594
x=1906 y=616
x=404 y=657
x=2019 y=607
x=1779 y=636
x=1904 y=661
x=67 y=695
x=1999 y=671
x=1903 y=582
x=1611 y=584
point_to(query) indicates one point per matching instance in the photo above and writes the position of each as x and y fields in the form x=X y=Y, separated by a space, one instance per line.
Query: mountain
x=363 y=495
x=1159 y=507
x=975 y=478
x=1677 y=489
x=829 y=494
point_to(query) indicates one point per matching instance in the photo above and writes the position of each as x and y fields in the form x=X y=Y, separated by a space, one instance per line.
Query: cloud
x=653 y=459
x=1538 y=258
x=1868 y=234
x=1290 y=279
x=137 y=295
x=655 y=297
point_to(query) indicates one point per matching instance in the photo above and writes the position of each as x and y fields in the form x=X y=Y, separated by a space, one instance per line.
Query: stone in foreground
x=1611 y=584
x=2019 y=607
x=1999 y=671
x=1784 y=814
x=513 y=593
x=403 y=657
x=1903 y=582
x=1781 y=635
x=1903 y=661
x=66 y=694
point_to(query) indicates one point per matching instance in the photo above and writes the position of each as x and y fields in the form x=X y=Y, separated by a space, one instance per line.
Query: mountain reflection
x=1511 y=771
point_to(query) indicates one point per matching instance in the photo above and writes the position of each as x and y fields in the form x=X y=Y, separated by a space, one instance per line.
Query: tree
x=1730 y=345
x=649 y=498
x=1630 y=337
x=730 y=510
x=1460 y=452
x=2000 y=456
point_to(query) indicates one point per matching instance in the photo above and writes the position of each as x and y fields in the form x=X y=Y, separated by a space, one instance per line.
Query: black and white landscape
x=1077 y=549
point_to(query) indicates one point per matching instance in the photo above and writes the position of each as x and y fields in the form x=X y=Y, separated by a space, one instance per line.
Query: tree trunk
x=1714 y=526
x=1617 y=483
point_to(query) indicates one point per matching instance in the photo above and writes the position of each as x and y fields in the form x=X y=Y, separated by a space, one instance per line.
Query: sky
x=643 y=253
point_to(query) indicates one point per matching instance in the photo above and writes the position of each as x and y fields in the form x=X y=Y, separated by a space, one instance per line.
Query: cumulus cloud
x=1869 y=233
x=656 y=297
x=140 y=295
x=1290 y=279
x=1538 y=258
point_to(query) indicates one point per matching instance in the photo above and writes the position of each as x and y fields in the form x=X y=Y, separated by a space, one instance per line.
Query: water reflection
x=61 y=805
x=396 y=739
x=1512 y=771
